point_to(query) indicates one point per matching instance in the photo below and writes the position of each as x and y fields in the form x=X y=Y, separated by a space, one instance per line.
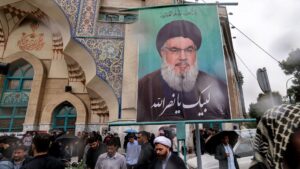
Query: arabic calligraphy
x=175 y=102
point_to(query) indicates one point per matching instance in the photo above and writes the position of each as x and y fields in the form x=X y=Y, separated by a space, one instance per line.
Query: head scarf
x=273 y=134
x=163 y=140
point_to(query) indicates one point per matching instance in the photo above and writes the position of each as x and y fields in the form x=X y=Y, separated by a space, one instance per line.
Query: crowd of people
x=50 y=151
x=276 y=145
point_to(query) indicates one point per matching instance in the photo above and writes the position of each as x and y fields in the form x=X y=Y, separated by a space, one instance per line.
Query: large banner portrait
x=181 y=73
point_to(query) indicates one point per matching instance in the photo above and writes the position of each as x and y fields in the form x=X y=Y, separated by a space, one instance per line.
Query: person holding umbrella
x=225 y=155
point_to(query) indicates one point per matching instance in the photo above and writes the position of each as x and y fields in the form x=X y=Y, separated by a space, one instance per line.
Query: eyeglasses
x=176 y=51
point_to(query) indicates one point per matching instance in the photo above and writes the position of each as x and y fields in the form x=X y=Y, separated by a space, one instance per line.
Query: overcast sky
x=275 y=26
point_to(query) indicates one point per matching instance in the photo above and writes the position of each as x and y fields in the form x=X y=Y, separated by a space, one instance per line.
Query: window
x=64 y=117
x=15 y=96
x=19 y=78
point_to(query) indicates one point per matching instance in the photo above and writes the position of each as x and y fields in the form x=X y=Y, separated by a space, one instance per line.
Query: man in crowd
x=5 y=156
x=19 y=157
x=41 y=160
x=146 y=156
x=179 y=90
x=111 y=159
x=132 y=152
x=165 y=158
x=96 y=149
x=225 y=155
x=27 y=141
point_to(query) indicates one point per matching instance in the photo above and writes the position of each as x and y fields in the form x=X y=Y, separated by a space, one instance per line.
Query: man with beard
x=96 y=149
x=179 y=91
x=165 y=158
x=20 y=157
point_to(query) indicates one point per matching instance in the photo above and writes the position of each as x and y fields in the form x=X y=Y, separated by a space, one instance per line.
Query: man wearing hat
x=165 y=158
x=178 y=90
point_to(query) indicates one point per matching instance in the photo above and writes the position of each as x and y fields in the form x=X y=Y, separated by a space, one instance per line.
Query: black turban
x=178 y=28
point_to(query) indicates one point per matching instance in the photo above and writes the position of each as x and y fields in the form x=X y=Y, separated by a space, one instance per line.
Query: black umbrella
x=55 y=131
x=214 y=141
x=66 y=139
x=8 y=139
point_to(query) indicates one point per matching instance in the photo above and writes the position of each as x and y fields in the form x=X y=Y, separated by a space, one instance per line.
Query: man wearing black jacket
x=41 y=158
x=96 y=149
x=146 y=156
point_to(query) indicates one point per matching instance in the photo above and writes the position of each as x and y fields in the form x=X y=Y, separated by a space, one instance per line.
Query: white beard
x=179 y=82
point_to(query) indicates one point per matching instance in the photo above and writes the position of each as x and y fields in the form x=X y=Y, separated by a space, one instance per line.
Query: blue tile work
x=108 y=55
x=71 y=9
x=104 y=41
x=86 y=24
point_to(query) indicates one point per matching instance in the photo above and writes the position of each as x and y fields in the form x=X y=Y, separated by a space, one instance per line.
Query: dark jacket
x=92 y=155
x=146 y=157
x=26 y=160
x=173 y=162
x=44 y=162
x=220 y=155
x=159 y=102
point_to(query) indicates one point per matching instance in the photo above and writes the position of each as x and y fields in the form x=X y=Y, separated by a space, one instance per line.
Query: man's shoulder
x=120 y=156
x=150 y=76
x=177 y=161
x=175 y=158
x=6 y=163
x=46 y=161
x=148 y=145
x=102 y=156
x=207 y=79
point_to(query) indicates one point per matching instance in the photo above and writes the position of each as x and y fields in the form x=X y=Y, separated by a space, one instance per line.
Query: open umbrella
x=130 y=131
x=214 y=141
x=67 y=139
x=8 y=139
x=55 y=131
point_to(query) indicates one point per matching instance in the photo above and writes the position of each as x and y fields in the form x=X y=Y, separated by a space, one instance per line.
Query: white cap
x=163 y=140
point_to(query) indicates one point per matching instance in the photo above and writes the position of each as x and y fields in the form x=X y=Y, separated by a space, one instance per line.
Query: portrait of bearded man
x=179 y=90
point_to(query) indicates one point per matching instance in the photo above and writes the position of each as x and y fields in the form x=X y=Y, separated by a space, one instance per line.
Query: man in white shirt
x=132 y=152
x=111 y=159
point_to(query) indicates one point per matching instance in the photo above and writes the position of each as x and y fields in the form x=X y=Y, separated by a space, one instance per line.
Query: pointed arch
x=34 y=102
x=47 y=113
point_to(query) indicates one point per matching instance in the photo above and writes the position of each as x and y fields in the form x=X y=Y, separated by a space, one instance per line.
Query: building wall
x=104 y=54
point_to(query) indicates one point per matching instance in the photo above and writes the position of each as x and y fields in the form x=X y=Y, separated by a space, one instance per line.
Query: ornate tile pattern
x=70 y=8
x=104 y=41
x=108 y=55
x=110 y=30
x=86 y=24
